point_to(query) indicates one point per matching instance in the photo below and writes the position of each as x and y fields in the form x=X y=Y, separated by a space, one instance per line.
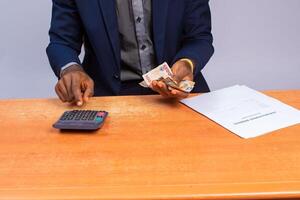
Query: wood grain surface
x=149 y=148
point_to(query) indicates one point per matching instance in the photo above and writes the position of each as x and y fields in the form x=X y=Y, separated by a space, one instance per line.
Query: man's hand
x=75 y=86
x=182 y=70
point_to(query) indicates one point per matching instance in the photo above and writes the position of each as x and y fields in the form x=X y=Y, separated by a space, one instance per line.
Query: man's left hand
x=182 y=71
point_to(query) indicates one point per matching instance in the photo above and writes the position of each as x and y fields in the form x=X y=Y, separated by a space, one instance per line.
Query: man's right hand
x=74 y=86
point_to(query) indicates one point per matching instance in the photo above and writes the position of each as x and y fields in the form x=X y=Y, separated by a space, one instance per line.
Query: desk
x=149 y=148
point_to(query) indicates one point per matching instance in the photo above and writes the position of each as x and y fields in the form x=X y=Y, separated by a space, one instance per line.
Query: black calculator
x=81 y=120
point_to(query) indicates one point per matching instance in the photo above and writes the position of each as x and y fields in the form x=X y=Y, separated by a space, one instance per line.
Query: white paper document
x=244 y=111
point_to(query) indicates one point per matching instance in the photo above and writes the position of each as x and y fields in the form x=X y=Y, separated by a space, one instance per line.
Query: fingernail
x=79 y=103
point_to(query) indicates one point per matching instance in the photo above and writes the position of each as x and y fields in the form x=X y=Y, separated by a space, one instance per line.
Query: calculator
x=81 y=120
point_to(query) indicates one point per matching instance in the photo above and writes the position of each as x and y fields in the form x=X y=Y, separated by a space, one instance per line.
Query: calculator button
x=99 y=119
x=93 y=115
x=101 y=114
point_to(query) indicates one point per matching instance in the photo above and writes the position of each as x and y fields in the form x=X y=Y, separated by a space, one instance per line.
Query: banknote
x=164 y=73
x=184 y=85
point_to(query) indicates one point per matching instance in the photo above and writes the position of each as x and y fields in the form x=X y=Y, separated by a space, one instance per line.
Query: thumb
x=182 y=71
x=178 y=74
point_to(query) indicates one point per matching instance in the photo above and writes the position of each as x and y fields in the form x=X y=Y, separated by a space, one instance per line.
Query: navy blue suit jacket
x=181 y=29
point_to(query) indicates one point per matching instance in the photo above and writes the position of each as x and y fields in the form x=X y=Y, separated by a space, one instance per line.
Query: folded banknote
x=164 y=73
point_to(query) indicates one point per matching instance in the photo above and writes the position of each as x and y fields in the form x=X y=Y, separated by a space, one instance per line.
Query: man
x=124 y=39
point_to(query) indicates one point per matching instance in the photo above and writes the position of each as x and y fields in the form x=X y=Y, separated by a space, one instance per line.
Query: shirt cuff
x=67 y=66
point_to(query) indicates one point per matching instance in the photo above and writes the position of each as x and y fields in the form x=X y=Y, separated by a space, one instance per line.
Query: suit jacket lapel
x=108 y=9
x=160 y=13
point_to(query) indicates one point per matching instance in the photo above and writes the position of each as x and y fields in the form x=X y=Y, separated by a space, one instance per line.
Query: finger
x=59 y=94
x=168 y=90
x=89 y=91
x=76 y=91
x=63 y=91
x=156 y=87
x=67 y=81
x=164 y=89
x=178 y=94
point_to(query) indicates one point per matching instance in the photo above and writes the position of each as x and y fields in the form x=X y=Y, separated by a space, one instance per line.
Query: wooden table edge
x=214 y=191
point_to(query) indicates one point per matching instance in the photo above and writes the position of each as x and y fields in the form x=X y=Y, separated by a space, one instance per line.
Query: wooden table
x=149 y=148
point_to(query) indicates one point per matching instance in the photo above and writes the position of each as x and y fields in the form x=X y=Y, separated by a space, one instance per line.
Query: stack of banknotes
x=164 y=73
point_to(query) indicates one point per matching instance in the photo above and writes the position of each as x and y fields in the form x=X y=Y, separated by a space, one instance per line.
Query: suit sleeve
x=197 y=38
x=66 y=35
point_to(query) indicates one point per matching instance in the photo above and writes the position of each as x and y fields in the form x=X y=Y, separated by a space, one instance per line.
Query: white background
x=257 y=43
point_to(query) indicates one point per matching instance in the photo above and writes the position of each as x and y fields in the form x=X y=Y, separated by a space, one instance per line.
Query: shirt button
x=143 y=47
x=139 y=19
x=116 y=76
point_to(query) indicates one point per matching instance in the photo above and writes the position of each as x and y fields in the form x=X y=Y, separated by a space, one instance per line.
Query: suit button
x=116 y=76
x=139 y=20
